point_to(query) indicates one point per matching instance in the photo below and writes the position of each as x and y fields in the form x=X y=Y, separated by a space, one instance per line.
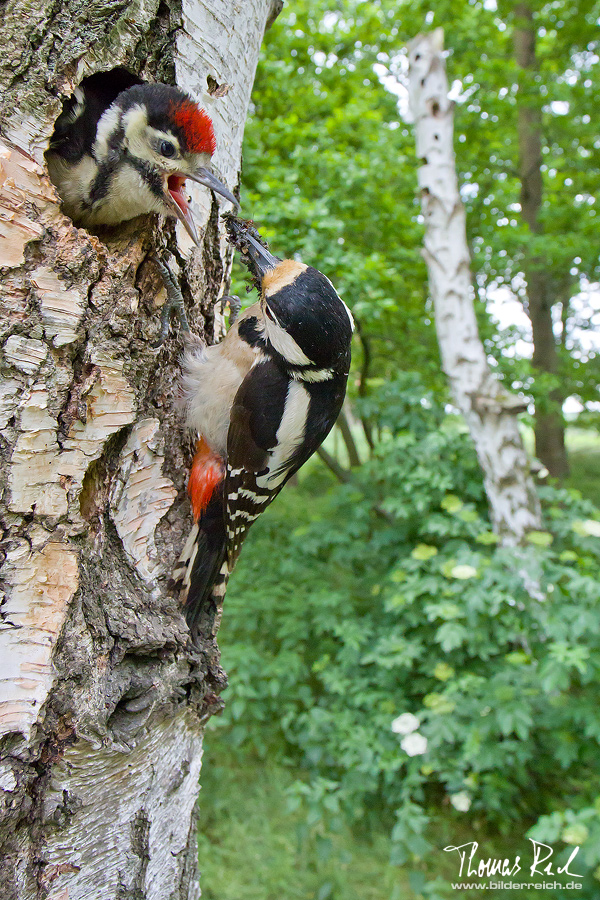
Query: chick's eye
x=167 y=149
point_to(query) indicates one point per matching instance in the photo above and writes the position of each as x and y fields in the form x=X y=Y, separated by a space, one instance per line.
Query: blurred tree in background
x=329 y=167
x=358 y=603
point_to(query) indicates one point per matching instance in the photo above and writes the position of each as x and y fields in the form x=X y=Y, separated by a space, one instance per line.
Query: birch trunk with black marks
x=102 y=700
x=489 y=410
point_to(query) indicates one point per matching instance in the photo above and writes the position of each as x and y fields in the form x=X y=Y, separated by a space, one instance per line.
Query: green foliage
x=335 y=184
x=584 y=460
x=330 y=167
x=252 y=845
x=353 y=605
x=256 y=844
x=353 y=620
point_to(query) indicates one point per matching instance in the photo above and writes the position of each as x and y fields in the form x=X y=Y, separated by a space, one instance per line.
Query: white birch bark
x=102 y=701
x=489 y=409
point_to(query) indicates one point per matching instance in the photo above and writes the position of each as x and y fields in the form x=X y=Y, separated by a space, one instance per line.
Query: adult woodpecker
x=115 y=155
x=262 y=401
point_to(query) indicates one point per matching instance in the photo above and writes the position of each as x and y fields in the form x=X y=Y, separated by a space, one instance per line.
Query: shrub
x=390 y=596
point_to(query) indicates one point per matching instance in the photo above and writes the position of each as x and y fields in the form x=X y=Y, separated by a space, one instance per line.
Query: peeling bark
x=102 y=699
x=490 y=411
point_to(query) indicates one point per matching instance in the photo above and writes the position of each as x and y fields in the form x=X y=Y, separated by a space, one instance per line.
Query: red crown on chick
x=196 y=125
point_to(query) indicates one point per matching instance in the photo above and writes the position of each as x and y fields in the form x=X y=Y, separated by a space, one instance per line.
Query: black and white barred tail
x=214 y=543
x=202 y=573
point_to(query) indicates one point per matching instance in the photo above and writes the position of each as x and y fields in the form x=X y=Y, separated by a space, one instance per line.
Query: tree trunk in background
x=102 y=701
x=490 y=411
x=549 y=422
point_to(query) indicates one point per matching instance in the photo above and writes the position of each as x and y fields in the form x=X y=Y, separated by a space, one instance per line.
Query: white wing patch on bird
x=313 y=375
x=185 y=564
x=290 y=435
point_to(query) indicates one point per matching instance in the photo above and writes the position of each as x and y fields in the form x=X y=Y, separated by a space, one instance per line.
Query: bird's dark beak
x=262 y=258
x=256 y=256
x=203 y=176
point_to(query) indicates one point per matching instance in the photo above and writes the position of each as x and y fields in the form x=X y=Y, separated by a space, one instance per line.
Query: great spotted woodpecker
x=262 y=401
x=115 y=155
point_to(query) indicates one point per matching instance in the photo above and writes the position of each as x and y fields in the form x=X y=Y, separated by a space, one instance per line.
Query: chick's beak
x=203 y=176
x=176 y=200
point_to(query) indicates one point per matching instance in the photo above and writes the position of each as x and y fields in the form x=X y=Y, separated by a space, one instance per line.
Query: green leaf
x=423 y=552
x=439 y=704
x=540 y=538
x=451 y=503
x=575 y=834
x=463 y=572
x=487 y=537
x=443 y=671
x=451 y=635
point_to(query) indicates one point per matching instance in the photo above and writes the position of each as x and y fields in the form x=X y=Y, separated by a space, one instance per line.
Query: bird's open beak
x=176 y=200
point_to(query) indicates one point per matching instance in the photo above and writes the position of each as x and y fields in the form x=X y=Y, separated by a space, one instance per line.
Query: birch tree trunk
x=490 y=411
x=102 y=701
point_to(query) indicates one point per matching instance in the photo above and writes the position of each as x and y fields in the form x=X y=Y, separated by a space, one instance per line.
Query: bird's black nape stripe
x=248 y=330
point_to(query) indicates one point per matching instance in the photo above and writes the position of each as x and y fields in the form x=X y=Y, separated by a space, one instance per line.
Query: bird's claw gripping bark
x=235 y=306
x=173 y=304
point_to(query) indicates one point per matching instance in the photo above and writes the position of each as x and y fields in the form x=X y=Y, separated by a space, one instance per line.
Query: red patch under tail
x=207 y=472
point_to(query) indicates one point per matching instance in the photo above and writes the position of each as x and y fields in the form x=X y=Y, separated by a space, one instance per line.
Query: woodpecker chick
x=115 y=158
x=262 y=401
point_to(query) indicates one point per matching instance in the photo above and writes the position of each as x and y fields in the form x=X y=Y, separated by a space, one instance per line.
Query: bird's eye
x=167 y=149
x=269 y=314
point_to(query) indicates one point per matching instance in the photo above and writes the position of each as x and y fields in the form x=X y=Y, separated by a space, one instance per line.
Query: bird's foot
x=173 y=304
x=235 y=306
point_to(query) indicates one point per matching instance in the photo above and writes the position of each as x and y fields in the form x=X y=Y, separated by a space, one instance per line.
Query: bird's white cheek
x=285 y=344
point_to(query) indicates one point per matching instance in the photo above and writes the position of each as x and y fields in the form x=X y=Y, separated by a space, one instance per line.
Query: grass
x=252 y=846
x=584 y=459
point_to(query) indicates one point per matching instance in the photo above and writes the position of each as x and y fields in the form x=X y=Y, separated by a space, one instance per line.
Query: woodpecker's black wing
x=269 y=441
x=253 y=428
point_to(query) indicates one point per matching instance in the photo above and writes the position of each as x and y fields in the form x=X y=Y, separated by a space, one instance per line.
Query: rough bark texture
x=490 y=411
x=102 y=700
x=549 y=422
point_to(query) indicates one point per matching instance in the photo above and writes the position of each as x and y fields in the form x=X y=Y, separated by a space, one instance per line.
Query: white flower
x=464 y=572
x=405 y=723
x=591 y=527
x=461 y=801
x=414 y=744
